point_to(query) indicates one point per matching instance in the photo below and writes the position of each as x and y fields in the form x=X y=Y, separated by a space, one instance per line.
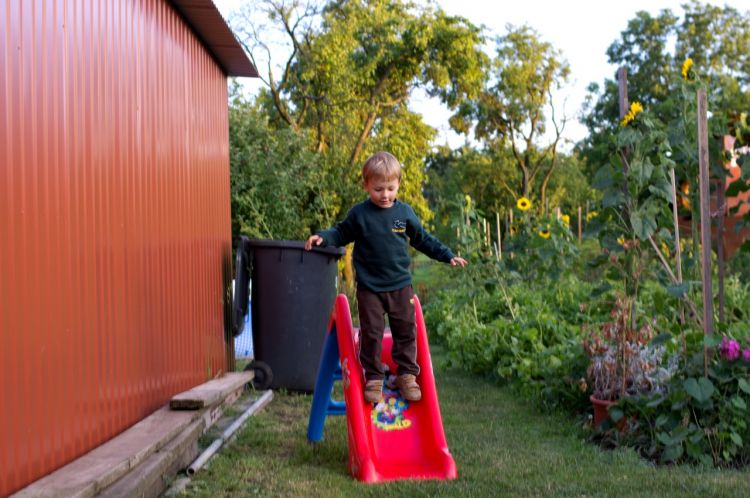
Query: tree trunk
x=362 y=138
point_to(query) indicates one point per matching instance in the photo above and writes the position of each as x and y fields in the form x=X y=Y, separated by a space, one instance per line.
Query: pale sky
x=581 y=30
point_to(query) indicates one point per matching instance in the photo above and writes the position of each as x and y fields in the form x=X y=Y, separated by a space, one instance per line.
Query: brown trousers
x=372 y=308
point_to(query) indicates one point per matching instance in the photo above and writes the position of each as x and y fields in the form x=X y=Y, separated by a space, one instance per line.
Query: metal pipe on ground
x=228 y=432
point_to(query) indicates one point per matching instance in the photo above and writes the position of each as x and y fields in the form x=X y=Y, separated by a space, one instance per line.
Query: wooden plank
x=210 y=393
x=150 y=479
x=703 y=184
x=103 y=465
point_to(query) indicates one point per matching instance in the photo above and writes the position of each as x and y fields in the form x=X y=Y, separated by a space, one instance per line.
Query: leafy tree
x=482 y=175
x=653 y=50
x=279 y=190
x=569 y=186
x=350 y=75
x=512 y=110
x=486 y=177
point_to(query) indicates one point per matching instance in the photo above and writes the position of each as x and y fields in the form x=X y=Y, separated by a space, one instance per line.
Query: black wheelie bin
x=293 y=291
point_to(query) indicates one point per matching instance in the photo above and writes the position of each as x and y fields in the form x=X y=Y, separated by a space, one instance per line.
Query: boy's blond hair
x=381 y=166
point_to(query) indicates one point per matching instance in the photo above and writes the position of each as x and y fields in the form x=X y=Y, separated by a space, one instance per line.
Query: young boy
x=381 y=227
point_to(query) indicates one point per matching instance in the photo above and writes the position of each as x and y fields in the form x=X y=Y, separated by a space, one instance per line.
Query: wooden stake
x=622 y=87
x=677 y=243
x=499 y=247
x=720 y=208
x=705 y=210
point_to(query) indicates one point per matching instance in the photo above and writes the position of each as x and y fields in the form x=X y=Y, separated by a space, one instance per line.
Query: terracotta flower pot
x=601 y=412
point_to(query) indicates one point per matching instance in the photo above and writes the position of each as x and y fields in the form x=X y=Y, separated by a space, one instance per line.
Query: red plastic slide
x=394 y=439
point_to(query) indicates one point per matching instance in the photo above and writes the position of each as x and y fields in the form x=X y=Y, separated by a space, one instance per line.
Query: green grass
x=501 y=444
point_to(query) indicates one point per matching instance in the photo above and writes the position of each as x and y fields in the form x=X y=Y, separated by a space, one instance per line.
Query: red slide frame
x=393 y=439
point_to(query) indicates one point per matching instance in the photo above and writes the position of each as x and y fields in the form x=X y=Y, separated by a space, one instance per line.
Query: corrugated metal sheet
x=115 y=239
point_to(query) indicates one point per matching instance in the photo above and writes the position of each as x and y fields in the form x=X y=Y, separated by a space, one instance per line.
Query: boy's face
x=382 y=192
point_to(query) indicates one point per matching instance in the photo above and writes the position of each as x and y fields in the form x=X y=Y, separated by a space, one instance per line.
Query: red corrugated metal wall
x=115 y=239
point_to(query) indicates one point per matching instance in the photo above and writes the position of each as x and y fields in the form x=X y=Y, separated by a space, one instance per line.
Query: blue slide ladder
x=323 y=403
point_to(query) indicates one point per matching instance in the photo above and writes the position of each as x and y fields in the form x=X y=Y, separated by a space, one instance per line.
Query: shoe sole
x=373 y=400
x=412 y=397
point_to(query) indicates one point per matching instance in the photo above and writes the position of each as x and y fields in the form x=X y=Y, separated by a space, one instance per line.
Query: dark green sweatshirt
x=380 y=237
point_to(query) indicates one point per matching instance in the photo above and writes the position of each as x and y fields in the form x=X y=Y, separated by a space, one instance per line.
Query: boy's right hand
x=313 y=240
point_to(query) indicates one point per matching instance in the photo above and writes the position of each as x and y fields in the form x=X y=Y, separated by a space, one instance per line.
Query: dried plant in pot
x=622 y=361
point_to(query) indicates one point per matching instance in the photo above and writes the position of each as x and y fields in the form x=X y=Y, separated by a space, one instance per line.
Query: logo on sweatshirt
x=398 y=226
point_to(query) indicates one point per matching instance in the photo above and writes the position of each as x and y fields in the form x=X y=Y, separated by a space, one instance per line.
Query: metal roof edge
x=210 y=27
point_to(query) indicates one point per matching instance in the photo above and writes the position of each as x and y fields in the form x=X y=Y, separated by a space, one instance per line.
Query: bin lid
x=295 y=244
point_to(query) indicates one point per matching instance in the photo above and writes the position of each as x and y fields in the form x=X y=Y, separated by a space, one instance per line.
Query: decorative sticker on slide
x=388 y=413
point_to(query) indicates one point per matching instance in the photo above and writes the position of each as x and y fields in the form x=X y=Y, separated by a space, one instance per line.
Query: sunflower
x=686 y=66
x=566 y=219
x=544 y=233
x=590 y=215
x=635 y=109
x=523 y=204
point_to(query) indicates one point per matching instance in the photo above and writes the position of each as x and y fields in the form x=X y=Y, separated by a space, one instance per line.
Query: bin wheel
x=263 y=375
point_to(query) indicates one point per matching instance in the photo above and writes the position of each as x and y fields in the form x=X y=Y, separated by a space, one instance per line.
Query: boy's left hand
x=456 y=261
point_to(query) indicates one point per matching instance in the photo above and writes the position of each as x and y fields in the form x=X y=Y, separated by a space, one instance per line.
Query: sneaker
x=409 y=388
x=373 y=391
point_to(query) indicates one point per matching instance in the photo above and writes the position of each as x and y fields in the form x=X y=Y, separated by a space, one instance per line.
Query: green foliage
x=636 y=192
x=570 y=188
x=539 y=247
x=703 y=416
x=454 y=174
x=526 y=335
x=486 y=176
x=278 y=186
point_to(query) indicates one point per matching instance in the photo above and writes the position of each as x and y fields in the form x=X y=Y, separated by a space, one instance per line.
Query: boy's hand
x=459 y=262
x=313 y=240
